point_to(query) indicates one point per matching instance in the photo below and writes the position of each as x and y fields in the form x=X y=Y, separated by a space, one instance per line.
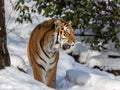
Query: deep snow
x=70 y=75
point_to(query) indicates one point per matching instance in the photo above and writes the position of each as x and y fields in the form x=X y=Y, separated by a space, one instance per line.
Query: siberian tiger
x=46 y=40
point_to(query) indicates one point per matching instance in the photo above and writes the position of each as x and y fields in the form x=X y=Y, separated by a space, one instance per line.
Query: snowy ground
x=70 y=75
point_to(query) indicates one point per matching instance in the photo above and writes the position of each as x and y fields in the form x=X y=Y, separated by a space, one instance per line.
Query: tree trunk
x=4 y=55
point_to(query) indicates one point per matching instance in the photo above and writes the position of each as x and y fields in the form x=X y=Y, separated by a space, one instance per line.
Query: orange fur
x=43 y=72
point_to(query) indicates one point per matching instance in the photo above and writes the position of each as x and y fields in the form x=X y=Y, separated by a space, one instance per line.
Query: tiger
x=46 y=41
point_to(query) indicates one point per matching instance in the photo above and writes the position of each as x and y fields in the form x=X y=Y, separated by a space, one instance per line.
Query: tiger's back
x=42 y=53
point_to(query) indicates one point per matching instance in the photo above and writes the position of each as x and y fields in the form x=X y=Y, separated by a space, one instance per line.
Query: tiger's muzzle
x=67 y=46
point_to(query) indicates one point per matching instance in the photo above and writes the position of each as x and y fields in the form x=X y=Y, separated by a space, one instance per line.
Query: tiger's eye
x=61 y=28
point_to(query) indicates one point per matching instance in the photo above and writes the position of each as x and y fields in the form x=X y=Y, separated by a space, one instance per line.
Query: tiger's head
x=64 y=38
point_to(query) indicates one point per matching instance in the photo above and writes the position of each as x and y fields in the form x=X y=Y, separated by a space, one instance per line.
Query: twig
x=113 y=56
x=91 y=35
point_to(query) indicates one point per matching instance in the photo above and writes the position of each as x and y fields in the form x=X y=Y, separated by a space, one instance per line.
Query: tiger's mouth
x=66 y=46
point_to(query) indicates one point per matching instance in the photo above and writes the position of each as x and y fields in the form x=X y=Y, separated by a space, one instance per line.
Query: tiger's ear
x=57 y=23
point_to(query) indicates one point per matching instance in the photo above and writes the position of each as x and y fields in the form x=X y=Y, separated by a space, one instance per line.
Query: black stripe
x=44 y=51
x=57 y=37
x=41 y=58
x=50 y=70
x=54 y=54
x=42 y=44
x=60 y=37
x=39 y=65
x=52 y=62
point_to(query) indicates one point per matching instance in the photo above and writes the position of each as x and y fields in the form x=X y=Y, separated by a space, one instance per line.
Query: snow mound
x=77 y=77
x=18 y=62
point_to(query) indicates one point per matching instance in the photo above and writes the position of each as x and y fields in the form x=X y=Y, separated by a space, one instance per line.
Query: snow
x=70 y=74
x=12 y=79
x=81 y=77
x=93 y=58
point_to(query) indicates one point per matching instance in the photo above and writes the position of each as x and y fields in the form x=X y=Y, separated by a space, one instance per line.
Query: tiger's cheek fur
x=71 y=39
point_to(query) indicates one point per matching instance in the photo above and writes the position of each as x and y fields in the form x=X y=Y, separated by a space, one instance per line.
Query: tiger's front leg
x=51 y=76
x=38 y=73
